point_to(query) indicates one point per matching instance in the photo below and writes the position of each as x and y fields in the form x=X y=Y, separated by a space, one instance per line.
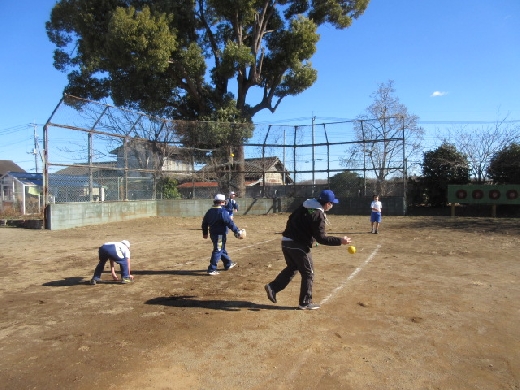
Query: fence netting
x=98 y=152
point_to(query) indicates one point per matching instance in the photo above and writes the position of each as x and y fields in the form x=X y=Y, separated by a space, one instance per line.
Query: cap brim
x=335 y=201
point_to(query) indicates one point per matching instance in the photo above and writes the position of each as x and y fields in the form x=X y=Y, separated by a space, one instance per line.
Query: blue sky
x=450 y=60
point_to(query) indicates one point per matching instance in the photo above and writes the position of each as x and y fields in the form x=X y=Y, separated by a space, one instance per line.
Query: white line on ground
x=305 y=355
x=234 y=250
x=351 y=276
x=297 y=366
x=256 y=243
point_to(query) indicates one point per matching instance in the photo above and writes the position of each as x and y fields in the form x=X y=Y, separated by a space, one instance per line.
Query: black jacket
x=306 y=225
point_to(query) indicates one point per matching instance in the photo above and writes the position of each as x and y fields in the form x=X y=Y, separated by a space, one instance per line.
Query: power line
x=14 y=129
x=466 y=122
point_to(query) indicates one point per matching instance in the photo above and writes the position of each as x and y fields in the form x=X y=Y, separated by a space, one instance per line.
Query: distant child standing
x=217 y=221
x=231 y=204
x=375 y=217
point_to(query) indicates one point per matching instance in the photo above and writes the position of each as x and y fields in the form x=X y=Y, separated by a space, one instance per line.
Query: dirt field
x=430 y=303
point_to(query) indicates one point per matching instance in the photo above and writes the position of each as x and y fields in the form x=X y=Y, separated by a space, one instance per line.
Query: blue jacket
x=231 y=206
x=217 y=221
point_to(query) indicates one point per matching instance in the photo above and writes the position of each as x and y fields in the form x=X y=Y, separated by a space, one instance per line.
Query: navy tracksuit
x=217 y=221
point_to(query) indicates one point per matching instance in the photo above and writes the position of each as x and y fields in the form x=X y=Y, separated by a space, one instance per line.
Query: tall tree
x=442 y=166
x=387 y=135
x=504 y=167
x=179 y=59
x=346 y=184
x=481 y=144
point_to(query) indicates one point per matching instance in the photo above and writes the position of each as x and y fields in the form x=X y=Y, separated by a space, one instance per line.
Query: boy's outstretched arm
x=113 y=270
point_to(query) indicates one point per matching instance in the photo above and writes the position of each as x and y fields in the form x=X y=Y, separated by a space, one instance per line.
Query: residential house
x=268 y=170
x=8 y=187
x=97 y=169
x=258 y=172
x=171 y=161
x=22 y=192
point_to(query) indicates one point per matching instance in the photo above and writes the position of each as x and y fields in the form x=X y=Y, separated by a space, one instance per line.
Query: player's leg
x=125 y=270
x=378 y=222
x=224 y=256
x=306 y=269
x=289 y=250
x=103 y=258
x=216 y=254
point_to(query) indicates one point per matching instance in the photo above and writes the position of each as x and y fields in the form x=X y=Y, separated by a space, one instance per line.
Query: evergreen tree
x=442 y=166
x=179 y=59
x=504 y=167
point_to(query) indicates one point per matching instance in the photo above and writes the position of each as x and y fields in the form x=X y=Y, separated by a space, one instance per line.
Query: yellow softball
x=351 y=249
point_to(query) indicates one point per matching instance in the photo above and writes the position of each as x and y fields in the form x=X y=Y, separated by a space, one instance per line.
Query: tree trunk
x=240 y=171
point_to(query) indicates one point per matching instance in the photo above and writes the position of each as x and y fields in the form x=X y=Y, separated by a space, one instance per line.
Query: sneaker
x=93 y=281
x=212 y=273
x=233 y=265
x=309 y=306
x=126 y=280
x=271 y=295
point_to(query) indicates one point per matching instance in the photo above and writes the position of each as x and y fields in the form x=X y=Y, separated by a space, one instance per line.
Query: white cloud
x=438 y=93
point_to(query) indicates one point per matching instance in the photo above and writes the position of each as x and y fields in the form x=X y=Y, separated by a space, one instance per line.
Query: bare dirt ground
x=430 y=303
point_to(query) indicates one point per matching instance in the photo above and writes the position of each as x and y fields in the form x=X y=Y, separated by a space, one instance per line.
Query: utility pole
x=313 y=159
x=36 y=148
x=283 y=176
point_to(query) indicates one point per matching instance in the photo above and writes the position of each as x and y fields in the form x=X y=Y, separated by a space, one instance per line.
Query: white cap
x=232 y=193
x=220 y=197
x=126 y=243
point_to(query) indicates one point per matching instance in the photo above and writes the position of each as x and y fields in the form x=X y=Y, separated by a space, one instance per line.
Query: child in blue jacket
x=231 y=204
x=217 y=221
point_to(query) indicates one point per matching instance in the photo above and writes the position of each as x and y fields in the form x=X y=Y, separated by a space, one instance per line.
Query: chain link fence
x=96 y=152
x=20 y=193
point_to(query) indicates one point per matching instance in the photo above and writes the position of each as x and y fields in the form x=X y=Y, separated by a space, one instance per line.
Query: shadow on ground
x=213 y=304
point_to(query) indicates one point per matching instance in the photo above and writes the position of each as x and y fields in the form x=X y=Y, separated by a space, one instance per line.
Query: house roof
x=253 y=168
x=70 y=181
x=204 y=184
x=82 y=171
x=27 y=177
x=55 y=180
x=9 y=166
x=190 y=184
x=170 y=151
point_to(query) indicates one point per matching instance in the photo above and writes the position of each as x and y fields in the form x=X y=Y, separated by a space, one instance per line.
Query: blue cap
x=328 y=196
